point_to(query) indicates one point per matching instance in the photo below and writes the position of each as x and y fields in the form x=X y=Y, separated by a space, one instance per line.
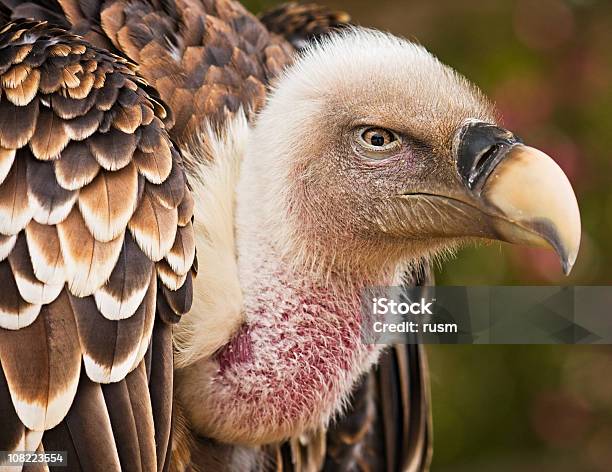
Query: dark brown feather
x=160 y=385
x=123 y=424
x=50 y=202
x=59 y=439
x=181 y=299
x=90 y=429
x=84 y=126
x=17 y=124
x=138 y=389
x=171 y=191
x=77 y=167
x=30 y=288
x=13 y=430
x=113 y=150
x=68 y=108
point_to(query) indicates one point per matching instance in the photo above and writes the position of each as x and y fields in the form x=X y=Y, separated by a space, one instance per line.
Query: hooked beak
x=523 y=189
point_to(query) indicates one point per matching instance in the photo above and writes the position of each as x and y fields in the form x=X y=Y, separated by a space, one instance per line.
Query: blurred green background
x=548 y=66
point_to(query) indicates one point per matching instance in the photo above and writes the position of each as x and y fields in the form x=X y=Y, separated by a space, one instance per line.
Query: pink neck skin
x=293 y=362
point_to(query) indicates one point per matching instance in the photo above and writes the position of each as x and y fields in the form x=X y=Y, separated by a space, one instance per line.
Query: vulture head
x=370 y=156
x=371 y=152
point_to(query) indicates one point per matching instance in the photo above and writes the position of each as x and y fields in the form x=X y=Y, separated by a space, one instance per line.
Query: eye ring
x=376 y=139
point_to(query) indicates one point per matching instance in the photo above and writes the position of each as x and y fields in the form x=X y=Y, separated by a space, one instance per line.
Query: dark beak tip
x=567 y=267
x=567 y=263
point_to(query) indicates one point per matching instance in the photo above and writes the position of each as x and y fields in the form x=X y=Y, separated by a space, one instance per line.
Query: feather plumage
x=14 y=133
x=77 y=167
x=25 y=90
x=88 y=262
x=47 y=351
x=50 y=137
x=161 y=385
x=7 y=157
x=113 y=150
x=154 y=227
x=155 y=166
x=31 y=289
x=300 y=23
x=108 y=202
x=15 y=211
x=71 y=104
x=112 y=348
x=15 y=312
x=45 y=252
x=49 y=201
x=128 y=283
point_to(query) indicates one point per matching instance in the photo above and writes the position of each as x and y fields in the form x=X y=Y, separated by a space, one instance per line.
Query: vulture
x=192 y=199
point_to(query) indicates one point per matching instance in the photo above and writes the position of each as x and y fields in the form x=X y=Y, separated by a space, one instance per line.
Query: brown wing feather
x=82 y=230
x=206 y=58
x=300 y=23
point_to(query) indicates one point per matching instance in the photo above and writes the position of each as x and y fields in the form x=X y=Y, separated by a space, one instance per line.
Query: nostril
x=480 y=148
x=485 y=157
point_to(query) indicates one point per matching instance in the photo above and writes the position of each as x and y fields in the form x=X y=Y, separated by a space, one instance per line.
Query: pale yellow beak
x=534 y=202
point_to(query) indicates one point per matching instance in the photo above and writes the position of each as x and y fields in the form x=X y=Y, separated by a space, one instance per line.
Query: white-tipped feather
x=85 y=277
x=54 y=216
x=48 y=268
x=119 y=308
x=107 y=204
x=7 y=157
x=147 y=225
x=35 y=292
x=26 y=316
x=7 y=243
x=11 y=221
x=41 y=417
x=182 y=252
x=169 y=278
x=103 y=374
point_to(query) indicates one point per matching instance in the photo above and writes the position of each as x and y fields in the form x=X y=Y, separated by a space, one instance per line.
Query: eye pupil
x=378 y=137
x=377 y=140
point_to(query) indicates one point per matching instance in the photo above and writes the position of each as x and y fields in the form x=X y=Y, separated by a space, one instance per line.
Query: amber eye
x=378 y=137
